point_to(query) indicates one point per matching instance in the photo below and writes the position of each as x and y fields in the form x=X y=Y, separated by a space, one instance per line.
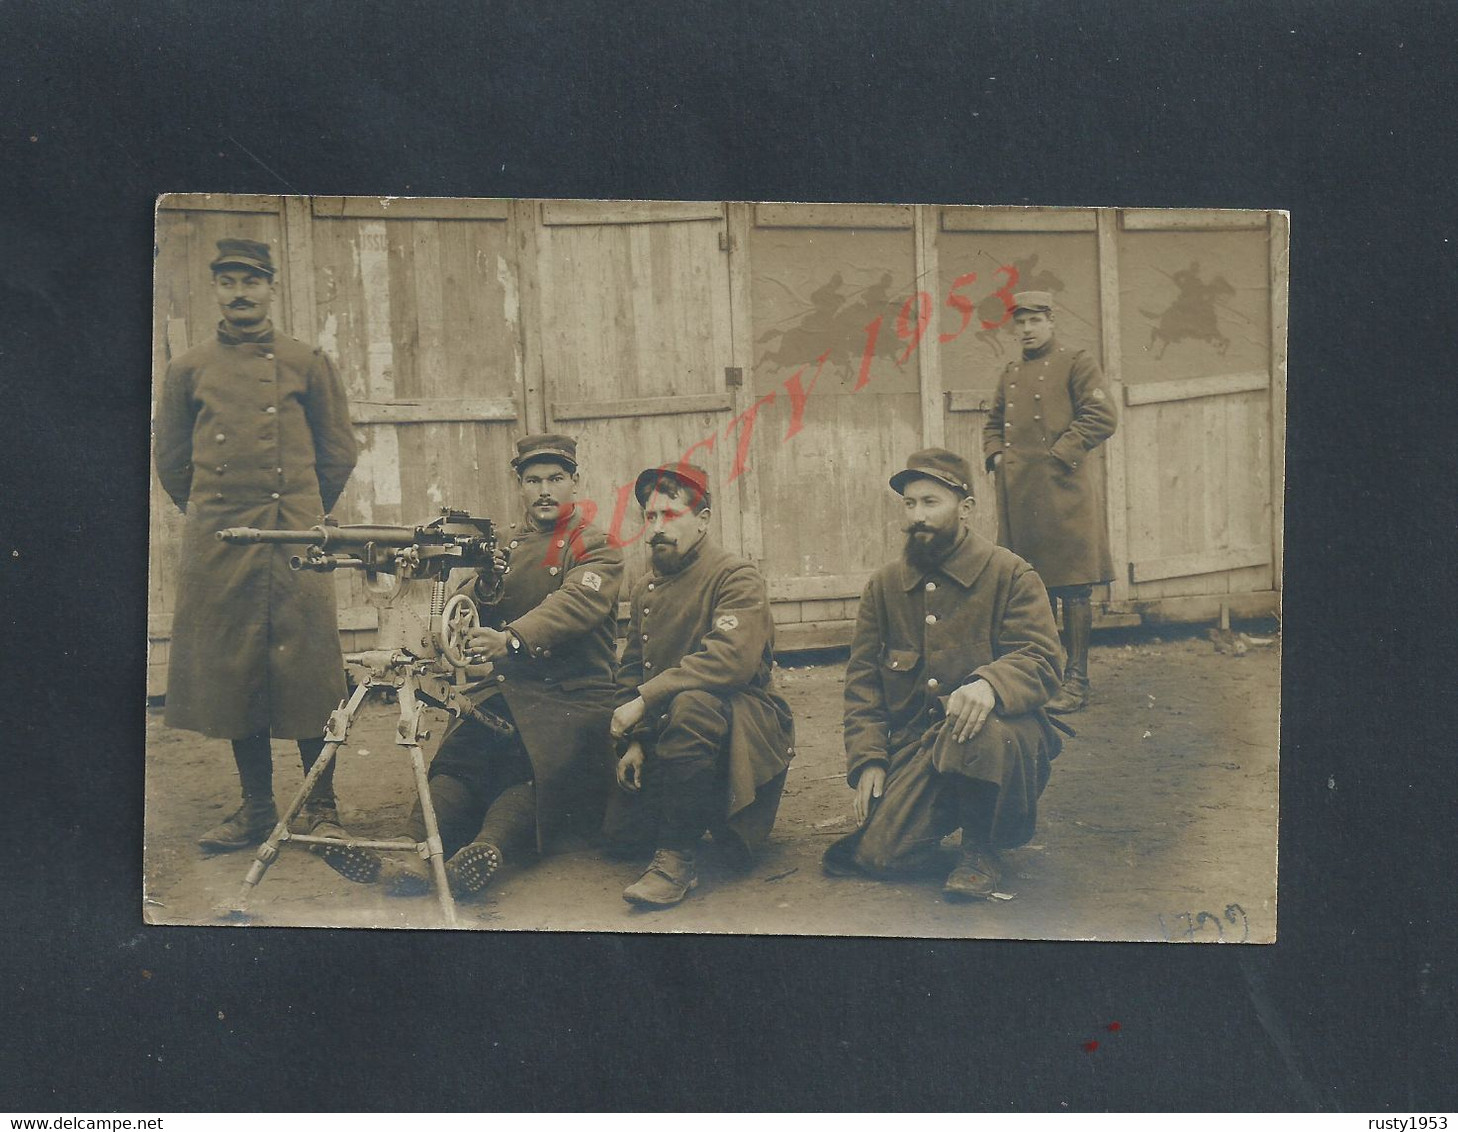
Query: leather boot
x=1073 y=695
x=670 y=877
x=246 y=826
x=977 y=874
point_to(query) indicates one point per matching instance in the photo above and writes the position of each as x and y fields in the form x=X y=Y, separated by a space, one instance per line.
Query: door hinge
x=726 y=241
x=733 y=377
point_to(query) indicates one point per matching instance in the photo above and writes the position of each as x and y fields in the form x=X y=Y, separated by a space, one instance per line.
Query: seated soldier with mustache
x=706 y=738
x=954 y=658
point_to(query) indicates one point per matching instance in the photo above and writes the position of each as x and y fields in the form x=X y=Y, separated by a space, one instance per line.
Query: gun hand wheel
x=456 y=621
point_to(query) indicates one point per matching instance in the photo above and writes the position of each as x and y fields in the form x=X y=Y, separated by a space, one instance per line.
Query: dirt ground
x=1159 y=823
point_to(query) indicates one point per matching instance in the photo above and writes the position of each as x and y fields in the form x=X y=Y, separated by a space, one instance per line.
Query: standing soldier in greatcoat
x=954 y=658
x=549 y=633
x=707 y=739
x=253 y=430
x=1050 y=413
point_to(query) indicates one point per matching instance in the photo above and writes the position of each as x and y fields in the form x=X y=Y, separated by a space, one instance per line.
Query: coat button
x=647 y=664
x=279 y=471
x=220 y=438
x=219 y=495
x=931 y=618
x=501 y=678
x=646 y=611
x=270 y=409
x=219 y=469
x=546 y=654
x=645 y=636
x=513 y=544
x=650 y=587
x=895 y=664
x=933 y=684
x=930 y=586
x=561 y=542
x=1009 y=404
x=1037 y=417
x=1037 y=396
x=268 y=356
x=273 y=495
x=552 y=570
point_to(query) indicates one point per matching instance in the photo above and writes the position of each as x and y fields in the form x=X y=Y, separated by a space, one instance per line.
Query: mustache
x=917 y=528
x=240 y=304
x=661 y=540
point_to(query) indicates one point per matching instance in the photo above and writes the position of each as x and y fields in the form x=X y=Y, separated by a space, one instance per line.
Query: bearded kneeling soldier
x=707 y=739
x=550 y=627
x=954 y=658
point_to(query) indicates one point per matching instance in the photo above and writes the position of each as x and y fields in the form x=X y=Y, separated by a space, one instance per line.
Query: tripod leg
x=433 y=843
x=268 y=852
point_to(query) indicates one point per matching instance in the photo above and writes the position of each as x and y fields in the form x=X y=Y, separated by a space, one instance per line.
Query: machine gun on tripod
x=424 y=660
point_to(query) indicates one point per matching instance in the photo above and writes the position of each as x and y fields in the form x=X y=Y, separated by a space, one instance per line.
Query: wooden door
x=636 y=350
x=417 y=302
x=1200 y=404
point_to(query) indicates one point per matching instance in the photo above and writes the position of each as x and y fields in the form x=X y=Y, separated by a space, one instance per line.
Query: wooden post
x=298 y=237
x=738 y=218
x=925 y=220
x=1280 y=246
x=1116 y=487
x=524 y=231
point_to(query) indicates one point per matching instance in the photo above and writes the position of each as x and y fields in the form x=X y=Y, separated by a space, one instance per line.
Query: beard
x=666 y=557
x=927 y=547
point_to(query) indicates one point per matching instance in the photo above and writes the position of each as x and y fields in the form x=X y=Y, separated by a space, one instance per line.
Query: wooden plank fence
x=800 y=352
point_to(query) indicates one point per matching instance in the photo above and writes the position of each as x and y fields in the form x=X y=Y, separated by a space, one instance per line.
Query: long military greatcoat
x=1051 y=411
x=708 y=627
x=919 y=636
x=252 y=430
x=560 y=598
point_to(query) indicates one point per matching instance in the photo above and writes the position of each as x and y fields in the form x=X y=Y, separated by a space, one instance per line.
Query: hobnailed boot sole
x=352 y=862
x=471 y=869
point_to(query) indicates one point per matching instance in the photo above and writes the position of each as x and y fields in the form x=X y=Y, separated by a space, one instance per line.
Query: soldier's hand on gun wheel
x=484 y=643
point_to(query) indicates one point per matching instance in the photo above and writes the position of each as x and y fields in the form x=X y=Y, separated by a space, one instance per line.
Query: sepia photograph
x=716 y=567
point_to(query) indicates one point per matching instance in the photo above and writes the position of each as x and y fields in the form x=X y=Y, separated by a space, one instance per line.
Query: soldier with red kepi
x=706 y=738
x=549 y=633
x=955 y=655
x=253 y=429
x=1051 y=411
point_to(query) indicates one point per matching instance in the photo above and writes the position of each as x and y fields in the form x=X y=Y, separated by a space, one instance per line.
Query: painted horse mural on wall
x=1193 y=314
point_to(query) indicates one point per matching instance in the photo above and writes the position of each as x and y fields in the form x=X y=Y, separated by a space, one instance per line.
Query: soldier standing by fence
x=1051 y=411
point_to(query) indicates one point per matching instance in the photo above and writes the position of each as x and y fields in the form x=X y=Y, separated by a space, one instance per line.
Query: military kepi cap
x=691 y=475
x=936 y=464
x=1033 y=301
x=237 y=252
x=546 y=446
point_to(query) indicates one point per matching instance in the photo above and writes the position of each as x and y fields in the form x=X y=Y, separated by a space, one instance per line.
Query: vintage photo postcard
x=658 y=566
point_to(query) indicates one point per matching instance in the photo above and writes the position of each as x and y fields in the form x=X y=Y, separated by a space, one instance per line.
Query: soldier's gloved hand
x=630 y=769
x=968 y=708
x=628 y=717
x=869 y=787
x=484 y=643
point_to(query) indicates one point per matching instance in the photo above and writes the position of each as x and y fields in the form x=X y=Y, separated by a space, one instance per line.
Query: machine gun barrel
x=325 y=538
